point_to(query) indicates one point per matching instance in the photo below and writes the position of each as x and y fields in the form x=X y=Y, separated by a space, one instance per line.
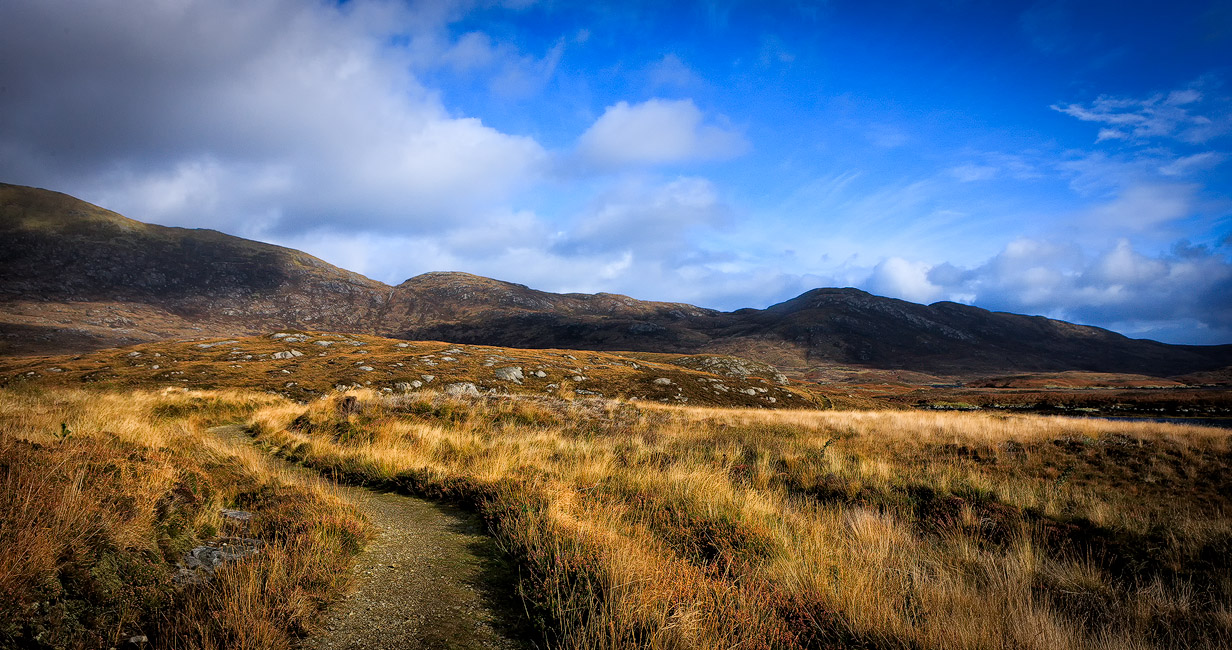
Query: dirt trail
x=431 y=579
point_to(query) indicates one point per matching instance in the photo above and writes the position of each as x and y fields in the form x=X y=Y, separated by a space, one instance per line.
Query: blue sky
x=1069 y=159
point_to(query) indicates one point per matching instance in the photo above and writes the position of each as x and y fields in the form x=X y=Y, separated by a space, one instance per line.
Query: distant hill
x=74 y=277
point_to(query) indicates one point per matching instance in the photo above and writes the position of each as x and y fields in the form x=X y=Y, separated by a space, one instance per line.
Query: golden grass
x=639 y=526
x=102 y=493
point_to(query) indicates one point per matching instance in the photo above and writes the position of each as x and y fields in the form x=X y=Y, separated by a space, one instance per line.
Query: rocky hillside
x=74 y=276
x=305 y=365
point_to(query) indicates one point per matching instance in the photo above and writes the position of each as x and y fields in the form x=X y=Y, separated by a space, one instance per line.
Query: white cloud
x=1158 y=116
x=1143 y=206
x=657 y=131
x=1140 y=293
x=1187 y=165
x=671 y=72
x=896 y=277
x=231 y=114
x=971 y=173
x=653 y=219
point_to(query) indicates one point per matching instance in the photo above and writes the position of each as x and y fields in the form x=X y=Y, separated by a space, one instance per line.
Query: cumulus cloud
x=1151 y=295
x=657 y=131
x=294 y=111
x=896 y=277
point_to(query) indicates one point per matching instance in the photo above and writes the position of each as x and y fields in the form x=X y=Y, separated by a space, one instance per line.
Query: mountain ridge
x=76 y=276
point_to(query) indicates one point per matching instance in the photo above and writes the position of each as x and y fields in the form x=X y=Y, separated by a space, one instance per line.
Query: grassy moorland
x=101 y=494
x=647 y=526
x=634 y=523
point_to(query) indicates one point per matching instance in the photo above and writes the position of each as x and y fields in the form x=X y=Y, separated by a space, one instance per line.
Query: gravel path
x=432 y=579
x=419 y=584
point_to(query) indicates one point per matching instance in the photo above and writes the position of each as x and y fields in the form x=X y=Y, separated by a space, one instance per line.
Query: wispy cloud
x=1172 y=115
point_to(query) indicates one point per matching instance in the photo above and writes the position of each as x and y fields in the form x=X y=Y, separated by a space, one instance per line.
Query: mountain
x=74 y=276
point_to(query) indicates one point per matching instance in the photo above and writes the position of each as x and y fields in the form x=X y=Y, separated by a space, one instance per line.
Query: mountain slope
x=74 y=276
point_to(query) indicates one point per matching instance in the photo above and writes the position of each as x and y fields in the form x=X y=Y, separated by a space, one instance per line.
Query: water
x=1222 y=423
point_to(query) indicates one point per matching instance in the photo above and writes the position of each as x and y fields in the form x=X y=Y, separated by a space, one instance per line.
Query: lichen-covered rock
x=199 y=564
x=510 y=373
x=462 y=389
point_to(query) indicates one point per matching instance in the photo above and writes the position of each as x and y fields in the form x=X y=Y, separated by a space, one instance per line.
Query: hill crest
x=74 y=276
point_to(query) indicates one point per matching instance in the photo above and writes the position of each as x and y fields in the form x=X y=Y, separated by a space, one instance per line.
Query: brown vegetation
x=669 y=527
x=101 y=494
x=313 y=364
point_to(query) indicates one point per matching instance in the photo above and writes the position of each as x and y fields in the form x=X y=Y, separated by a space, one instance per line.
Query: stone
x=462 y=389
x=199 y=564
x=540 y=374
x=206 y=346
x=367 y=368
x=323 y=343
x=510 y=373
x=288 y=354
x=663 y=381
x=427 y=378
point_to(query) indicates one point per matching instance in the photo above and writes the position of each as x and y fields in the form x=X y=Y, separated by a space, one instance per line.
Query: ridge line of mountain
x=76 y=276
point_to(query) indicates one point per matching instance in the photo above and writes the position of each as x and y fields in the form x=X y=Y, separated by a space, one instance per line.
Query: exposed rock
x=206 y=346
x=540 y=374
x=288 y=354
x=427 y=378
x=199 y=564
x=462 y=389
x=510 y=373
x=663 y=381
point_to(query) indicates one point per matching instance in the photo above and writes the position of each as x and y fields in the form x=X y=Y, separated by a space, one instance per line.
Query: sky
x=1065 y=159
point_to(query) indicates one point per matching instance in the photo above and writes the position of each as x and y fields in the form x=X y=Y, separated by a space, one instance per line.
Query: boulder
x=462 y=389
x=510 y=373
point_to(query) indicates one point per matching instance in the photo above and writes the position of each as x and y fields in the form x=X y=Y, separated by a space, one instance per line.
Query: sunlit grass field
x=667 y=527
x=633 y=525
